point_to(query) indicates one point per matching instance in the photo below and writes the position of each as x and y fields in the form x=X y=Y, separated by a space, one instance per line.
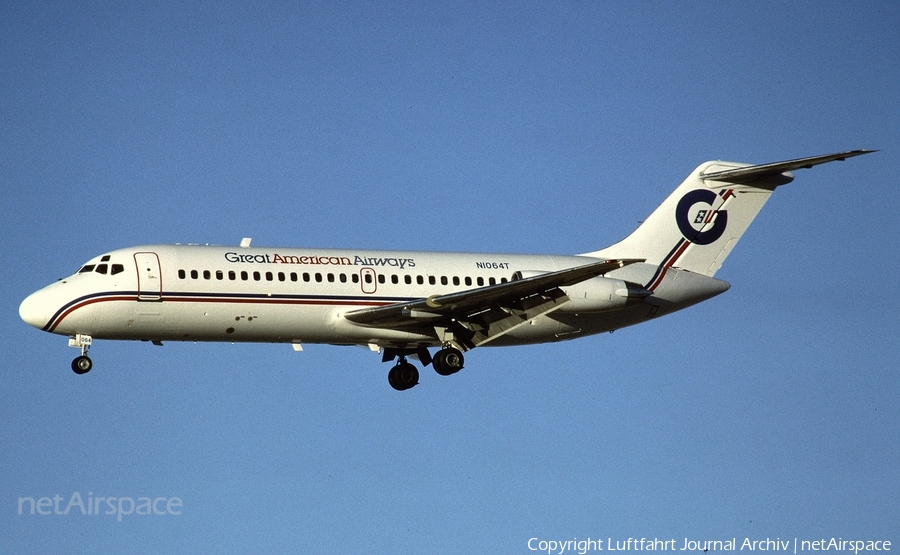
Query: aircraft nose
x=34 y=310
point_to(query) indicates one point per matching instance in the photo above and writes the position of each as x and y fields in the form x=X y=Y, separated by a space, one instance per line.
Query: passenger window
x=102 y=268
x=194 y=274
x=220 y=275
x=330 y=278
x=256 y=276
x=269 y=276
x=86 y=269
x=319 y=277
x=305 y=276
x=492 y=281
x=245 y=276
x=354 y=278
x=343 y=278
x=455 y=280
x=503 y=280
x=407 y=279
x=394 y=279
x=281 y=276
x=480 y=281
x=380 y=278
x=420 y=280
x=117 y=269
x=368 y=278
x=443 y=280
x=231 y=275
x=293 y=276
x=468 y=281
x=181 y=274
x=206 y=274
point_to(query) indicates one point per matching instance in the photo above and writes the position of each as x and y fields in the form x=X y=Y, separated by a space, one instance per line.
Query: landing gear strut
x=82 y=364
x=403 y=376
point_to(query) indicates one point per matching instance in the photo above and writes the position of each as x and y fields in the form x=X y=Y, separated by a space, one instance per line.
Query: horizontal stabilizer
x=752 y=173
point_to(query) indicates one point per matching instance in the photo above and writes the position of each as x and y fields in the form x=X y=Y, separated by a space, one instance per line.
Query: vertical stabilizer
x=699 y=224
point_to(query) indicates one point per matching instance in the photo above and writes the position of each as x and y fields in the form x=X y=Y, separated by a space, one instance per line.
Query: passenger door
x=149 y=278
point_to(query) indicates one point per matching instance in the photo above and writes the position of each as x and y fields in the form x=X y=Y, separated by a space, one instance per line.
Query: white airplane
x=403 y=303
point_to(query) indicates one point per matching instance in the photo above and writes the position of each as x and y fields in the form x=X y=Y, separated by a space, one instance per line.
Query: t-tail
x=696 y=227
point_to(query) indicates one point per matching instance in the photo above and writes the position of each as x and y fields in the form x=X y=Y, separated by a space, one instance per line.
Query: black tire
x=82 y=365
x=394 y=380
x=403 y=376
x=448 y=361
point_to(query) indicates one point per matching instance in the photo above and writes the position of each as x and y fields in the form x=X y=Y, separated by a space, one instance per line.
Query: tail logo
x=701 y=226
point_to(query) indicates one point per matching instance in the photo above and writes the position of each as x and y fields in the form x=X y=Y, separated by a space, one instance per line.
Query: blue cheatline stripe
x=263 y=298
x=666 y=263
x=266 y=296
x=83 y=301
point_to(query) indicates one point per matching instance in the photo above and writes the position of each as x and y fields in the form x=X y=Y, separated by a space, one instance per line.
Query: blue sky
x=770 y=411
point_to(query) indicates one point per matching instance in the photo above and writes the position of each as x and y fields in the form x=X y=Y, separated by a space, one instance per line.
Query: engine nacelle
x=600 y=294
x=597 y=294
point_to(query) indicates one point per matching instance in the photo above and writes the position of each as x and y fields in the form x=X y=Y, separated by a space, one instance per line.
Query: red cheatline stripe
x=87 y=302
x=271 y=301
x=668 y=263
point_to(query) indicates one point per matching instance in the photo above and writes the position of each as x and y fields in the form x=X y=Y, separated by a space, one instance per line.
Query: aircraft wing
x=751 y=173
x=476 y=316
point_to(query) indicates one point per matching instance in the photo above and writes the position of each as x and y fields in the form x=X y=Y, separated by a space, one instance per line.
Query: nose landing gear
x=82 y=364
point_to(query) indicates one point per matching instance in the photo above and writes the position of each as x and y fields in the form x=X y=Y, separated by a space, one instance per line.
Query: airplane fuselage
x=214 y=293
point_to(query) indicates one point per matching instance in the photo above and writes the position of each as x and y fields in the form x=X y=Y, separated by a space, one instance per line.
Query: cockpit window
x=113 y=269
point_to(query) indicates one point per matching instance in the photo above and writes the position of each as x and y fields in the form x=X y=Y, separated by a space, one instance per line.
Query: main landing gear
x=404 y=375
x=82 y=364
x=447 y=361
